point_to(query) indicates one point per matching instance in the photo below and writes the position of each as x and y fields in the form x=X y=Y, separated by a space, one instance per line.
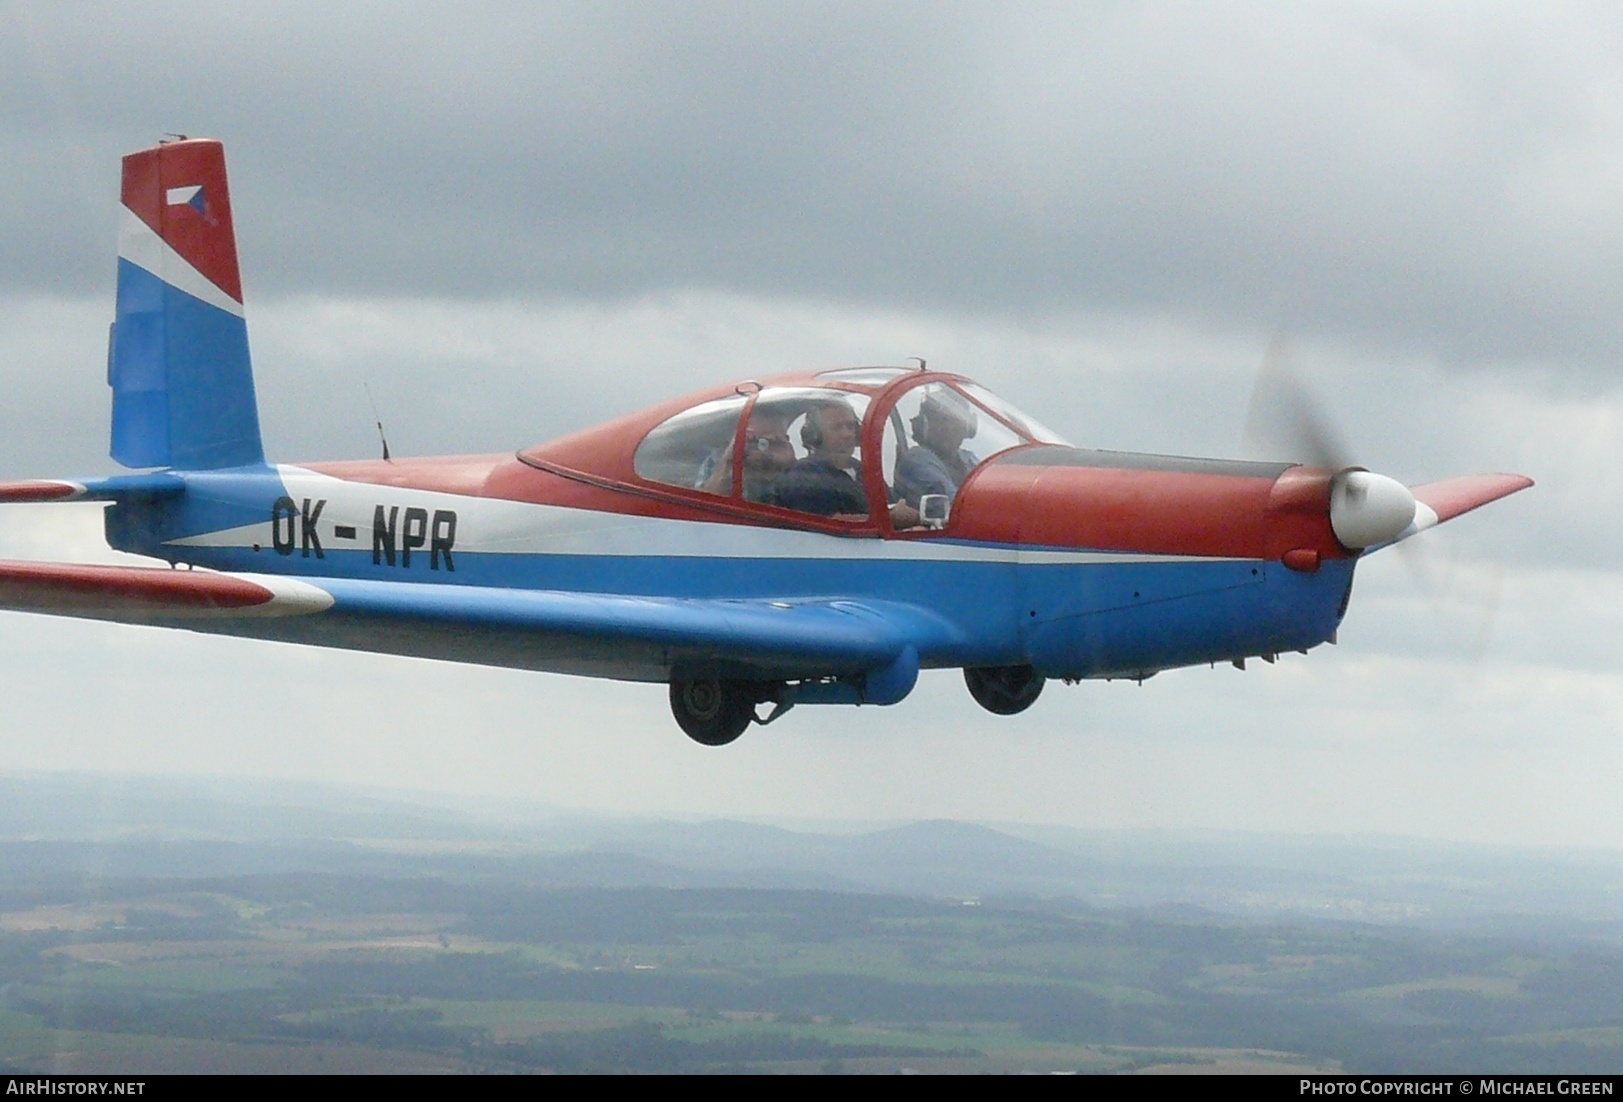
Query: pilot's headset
x=811 y=429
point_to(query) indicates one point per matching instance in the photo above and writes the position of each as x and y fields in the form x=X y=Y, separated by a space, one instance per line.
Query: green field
x=373 y=974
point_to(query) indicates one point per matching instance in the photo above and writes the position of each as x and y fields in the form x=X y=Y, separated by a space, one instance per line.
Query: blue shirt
x=921 y=471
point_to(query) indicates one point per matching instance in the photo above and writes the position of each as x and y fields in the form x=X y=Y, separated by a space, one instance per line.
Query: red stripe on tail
x=200 y=229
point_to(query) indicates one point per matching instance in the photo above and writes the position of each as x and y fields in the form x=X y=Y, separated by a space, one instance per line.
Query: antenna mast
x=378 y=420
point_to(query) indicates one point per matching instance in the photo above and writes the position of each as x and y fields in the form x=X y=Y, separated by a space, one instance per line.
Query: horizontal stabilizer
x=124 y=487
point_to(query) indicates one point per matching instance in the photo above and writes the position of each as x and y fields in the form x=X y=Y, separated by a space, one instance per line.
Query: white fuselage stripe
x=498 y=526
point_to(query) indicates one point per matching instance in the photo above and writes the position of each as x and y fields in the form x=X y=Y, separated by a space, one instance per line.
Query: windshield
x=1027 y=424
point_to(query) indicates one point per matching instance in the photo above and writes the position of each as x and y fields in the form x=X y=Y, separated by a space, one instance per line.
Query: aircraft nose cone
x=1368 y=509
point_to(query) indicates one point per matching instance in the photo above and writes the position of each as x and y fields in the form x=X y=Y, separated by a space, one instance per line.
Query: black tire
x=712 y=712
x=1004 y=690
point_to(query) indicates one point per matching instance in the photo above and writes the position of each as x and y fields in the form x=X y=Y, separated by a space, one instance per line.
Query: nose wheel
x=712 y=711
x=1004 y=690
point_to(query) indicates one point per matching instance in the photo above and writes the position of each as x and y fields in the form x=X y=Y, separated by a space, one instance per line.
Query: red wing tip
x=38 y=489
x=1450 y=498
x=51 y=585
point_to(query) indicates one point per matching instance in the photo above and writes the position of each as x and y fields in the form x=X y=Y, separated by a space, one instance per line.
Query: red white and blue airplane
x=814 y=538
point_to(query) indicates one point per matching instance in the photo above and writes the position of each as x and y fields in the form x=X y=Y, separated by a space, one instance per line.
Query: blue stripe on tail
x=183 y=387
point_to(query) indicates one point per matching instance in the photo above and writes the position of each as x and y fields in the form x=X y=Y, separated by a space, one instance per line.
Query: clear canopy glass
x=1027 y=424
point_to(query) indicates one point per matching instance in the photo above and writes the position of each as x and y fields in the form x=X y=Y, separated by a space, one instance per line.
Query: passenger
x=828 y=482
x=939 y=463
x=767 y=454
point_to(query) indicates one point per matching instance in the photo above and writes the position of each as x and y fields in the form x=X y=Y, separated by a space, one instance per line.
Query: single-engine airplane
x=812 y=539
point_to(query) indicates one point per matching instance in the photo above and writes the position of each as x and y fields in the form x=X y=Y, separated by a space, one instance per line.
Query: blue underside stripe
x=1069 y=619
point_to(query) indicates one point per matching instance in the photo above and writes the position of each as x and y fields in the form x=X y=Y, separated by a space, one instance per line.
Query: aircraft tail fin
x=183 y=387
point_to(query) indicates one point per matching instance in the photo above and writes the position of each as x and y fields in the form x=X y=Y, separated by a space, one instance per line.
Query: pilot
x=767 y=454
x=939 y=462
x=828 y=482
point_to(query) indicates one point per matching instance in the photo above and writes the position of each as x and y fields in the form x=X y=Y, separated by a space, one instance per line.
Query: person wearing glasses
x=767 y=454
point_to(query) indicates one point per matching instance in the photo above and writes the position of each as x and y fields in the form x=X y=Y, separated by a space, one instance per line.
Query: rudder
x=183 y=388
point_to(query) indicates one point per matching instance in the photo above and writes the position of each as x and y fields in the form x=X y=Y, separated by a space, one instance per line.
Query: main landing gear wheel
x=711 y=711
x=1004 y=690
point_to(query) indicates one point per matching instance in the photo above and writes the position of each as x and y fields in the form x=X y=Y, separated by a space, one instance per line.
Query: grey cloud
x=1439 y=180
x=517 y=221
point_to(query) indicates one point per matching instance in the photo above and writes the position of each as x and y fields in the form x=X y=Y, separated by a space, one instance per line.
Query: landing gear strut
x=1004 y=690
x=713 y=711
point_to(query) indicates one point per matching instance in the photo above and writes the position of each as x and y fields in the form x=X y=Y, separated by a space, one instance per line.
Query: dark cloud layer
x=1443 y=181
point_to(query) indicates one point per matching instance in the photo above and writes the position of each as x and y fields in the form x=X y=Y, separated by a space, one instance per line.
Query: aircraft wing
x=1455 y=496
x=1436 y=502
x=633 y=637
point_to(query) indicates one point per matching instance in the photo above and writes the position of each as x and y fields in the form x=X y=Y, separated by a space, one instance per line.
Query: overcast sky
x=514 y=221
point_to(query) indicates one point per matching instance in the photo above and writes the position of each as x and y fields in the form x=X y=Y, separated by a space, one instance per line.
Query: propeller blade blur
x=1284 y=421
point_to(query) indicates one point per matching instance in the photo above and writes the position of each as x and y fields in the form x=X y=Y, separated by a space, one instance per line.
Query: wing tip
x=1455 y=496
x=39 y=489
x=130 y=592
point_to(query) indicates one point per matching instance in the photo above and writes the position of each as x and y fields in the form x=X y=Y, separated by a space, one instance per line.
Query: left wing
x=631 y=637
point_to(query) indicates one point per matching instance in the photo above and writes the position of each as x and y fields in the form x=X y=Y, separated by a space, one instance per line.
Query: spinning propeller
x=1367 y=510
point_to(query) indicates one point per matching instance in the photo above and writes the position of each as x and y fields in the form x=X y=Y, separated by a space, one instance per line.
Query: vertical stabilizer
x=183 y=389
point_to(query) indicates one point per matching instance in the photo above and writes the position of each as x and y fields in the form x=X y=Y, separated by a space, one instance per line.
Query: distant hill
x=93 y=826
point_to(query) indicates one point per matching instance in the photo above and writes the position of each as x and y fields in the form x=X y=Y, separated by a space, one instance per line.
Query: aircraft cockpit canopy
x=865 y=376
x=801 y=447
x=695 y=448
